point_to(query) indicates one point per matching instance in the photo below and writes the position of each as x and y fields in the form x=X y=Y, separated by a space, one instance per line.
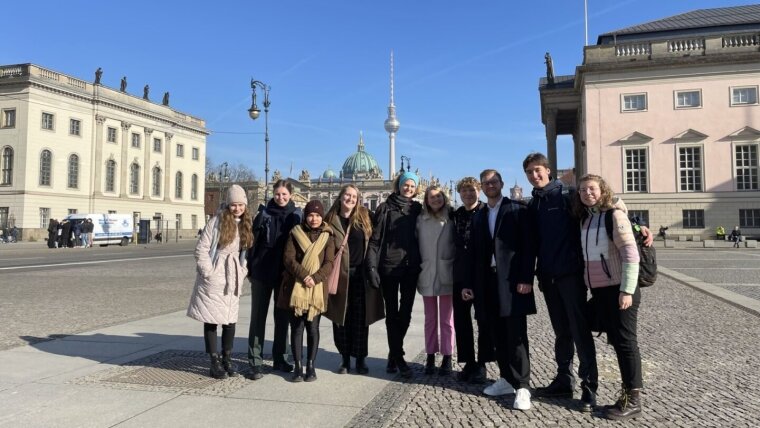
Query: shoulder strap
x=608 y=222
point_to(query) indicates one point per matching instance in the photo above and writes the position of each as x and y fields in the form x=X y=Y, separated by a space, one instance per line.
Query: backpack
x=647 y=255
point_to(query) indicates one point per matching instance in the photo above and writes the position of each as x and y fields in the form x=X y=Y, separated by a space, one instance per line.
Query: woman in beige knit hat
x=221 y=264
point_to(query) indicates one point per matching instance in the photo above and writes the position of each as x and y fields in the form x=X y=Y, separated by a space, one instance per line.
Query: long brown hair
x=359 y=215
x=605 y=199
x=228 y=226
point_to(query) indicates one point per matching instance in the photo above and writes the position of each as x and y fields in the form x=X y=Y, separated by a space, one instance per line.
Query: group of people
x=70 y=234
x=356 y=268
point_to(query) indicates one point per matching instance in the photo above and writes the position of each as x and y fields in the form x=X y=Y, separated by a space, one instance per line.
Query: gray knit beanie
x=236 y=194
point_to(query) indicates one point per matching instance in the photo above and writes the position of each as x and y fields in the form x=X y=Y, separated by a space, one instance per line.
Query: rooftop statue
x=549 y=68
x=98 y=75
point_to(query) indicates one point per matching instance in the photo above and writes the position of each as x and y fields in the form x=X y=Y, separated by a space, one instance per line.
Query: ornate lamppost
x=223 y=176
x=254 y=113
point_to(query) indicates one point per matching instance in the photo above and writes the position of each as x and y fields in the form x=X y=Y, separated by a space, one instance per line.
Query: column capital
x=169 y=136
x=148 y=131
x=126 y=125
x=100 y=119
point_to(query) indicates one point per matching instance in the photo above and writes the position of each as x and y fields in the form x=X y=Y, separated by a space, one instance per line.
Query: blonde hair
x=428 y=209
x=468 y=182
x=228 y=226
x=606 y=197
x=359 y=216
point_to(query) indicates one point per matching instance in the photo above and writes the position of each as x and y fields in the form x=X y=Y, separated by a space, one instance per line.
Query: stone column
x=148 y=147
x=97 y=165
x=551 y=139
x=167 y=167
x=123 y=165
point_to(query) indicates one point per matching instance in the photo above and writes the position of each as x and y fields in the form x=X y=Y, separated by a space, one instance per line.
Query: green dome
x=329 y=174
x=361 y=164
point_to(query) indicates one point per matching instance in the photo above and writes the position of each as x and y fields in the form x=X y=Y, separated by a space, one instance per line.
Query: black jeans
x=398 y=313
x=261 y=295
x=510 y=335
x=621 y=331
x=352 y=337
x=209 y=337
x=565 y=301
x=465 y=336
x=297 y=325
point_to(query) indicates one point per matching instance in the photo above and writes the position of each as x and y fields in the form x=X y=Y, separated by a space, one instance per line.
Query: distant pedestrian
x=90 y=232
x=309 y=253
x=221 y=270
x=52 y=241
x=736 y=236
x=663 y=233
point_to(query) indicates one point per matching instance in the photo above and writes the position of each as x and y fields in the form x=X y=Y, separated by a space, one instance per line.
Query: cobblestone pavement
x=735 y=269
x=700 y=361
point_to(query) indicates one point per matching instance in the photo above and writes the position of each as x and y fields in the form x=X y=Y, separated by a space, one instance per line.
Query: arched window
x=156 y=181
x=111 y=176
x=7 y=176
x=73 y=181
x=178 y=185
x=46 y=165
x=134 y=179
x=194 y=187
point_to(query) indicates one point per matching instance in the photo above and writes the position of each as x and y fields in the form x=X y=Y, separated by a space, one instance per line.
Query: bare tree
x=235 y=173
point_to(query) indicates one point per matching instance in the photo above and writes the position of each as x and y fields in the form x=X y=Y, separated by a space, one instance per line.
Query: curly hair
x=359 y=215
x=468 y=182
x=228 y=226
x=606 y=198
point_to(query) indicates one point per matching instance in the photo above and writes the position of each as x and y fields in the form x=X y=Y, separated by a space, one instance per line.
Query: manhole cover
x=182 y=372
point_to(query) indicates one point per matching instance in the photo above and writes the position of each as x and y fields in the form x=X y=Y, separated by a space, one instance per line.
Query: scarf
x=305 y=300
x=398 y=202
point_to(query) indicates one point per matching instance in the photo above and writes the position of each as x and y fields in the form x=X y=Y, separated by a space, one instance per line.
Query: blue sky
x=466 y=72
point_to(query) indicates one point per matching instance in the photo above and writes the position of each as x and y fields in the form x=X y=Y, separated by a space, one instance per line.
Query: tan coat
x=216 y=295
x=337 y=304
x=437 y=251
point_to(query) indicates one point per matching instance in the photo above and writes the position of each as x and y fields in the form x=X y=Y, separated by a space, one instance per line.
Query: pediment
x=635 y=138
x=746 y=133
x=690 y=135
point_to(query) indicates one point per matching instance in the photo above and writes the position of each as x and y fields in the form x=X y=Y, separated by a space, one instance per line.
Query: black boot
x=345 y=365
x=228 y=365
x=478 y=376
x=391 y=367
x=297 y=372
x=445 y=368
x=311 y=374
x=588 y=399
x=403 y=368
x=628 y=405
x=361 y=366
x=430 y=364
x=217 y=371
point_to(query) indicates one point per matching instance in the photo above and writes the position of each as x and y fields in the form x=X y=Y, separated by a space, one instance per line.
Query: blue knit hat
x=408 y=176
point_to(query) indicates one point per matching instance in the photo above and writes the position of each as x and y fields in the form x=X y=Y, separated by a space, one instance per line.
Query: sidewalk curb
x=744 y=303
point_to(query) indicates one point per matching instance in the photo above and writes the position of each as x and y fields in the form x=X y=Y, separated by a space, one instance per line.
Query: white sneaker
x=500 y=387
x=522 y=399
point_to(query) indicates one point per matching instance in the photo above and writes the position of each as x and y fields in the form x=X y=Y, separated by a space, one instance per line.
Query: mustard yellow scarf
x=305 y=300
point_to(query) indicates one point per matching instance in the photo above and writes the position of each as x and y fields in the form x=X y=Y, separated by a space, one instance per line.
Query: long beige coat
x=437 y=251
x=216 y=295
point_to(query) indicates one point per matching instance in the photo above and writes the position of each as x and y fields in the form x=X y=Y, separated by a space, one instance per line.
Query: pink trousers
x=439 y=308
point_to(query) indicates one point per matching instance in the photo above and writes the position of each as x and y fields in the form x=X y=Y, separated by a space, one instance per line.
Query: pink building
x=668 y=113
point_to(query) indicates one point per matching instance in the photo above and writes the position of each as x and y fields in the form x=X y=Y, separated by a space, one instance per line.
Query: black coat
x=393 y=249
x=512 y=267
x=271 y=229
x=463 y=241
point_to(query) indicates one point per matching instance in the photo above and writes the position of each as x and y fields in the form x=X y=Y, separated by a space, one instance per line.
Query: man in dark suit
x=502 y=288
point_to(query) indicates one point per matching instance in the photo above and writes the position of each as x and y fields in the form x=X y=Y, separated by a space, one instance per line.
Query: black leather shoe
x=282 y=366
x=466 y=373
x=361 y=366
x=588 y=400
x=311 y=374
x=297 y=373
x=430 y=364
x=446 y=366
x=403 y=367
x=478 y=376
x=555 y=389
x=256 y=373
x=391 y=367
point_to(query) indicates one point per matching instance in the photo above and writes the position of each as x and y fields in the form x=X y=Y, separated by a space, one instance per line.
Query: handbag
x=332 y=279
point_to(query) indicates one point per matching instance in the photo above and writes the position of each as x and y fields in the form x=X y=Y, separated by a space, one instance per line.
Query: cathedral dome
x=361 y=165
x=328 y=174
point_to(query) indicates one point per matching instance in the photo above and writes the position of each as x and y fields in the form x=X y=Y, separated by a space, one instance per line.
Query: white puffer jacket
x=218 y=286
x=437 y=251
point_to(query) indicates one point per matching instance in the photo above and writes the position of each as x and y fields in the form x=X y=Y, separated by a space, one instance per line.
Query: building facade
x=667 y=112
x=71 y=146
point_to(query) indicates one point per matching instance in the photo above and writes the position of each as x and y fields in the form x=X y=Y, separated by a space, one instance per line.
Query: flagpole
x=585 y=20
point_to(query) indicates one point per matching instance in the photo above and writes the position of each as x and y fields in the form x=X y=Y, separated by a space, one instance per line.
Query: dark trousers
x=398 y=312
x=297 y=325
x=261 y=295
x=465 y=336
x=621 y=331
x=510 y=335
x=209 y=337
x=565 y=301
x=351 y=338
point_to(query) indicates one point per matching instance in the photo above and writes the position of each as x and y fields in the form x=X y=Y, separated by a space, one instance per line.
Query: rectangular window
x=690 y=169
x=111 y=211
x=75 y=127
x=744 y=96
x=749 y=218
x=44 y=218
x=746 y=167
x=196 y=153
x=634 y=102
x=180 y=150
x=693 y=219
x=9 y=118
x=111 y=135
x=157 y=145
x=688 y=99
x=179 y=221
x=72 y=210
x=4 y=217
x=48 y=121
x=636 y=170
x=136 y=141
x=193 y=221
x=642 y=215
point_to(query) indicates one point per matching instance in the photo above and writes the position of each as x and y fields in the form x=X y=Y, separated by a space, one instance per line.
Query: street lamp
x=453 y=192
x=223 y=176
x=408 y=167
x=254 y=112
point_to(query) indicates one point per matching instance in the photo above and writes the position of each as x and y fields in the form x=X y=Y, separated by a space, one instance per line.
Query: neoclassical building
x=667 y=111
x=72 y=146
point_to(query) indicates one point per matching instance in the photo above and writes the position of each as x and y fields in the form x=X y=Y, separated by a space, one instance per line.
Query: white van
x=108 y=228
